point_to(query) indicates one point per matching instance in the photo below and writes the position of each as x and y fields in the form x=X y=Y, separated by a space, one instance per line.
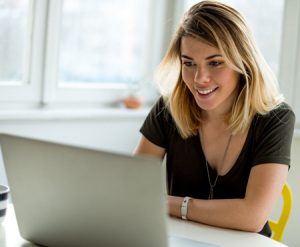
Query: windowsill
x=84 y=113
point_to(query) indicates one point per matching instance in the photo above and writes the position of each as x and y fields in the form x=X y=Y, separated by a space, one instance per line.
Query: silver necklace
x=212 y=185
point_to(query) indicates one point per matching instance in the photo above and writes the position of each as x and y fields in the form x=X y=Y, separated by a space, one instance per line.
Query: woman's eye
x=215 y=63
x=188 y=64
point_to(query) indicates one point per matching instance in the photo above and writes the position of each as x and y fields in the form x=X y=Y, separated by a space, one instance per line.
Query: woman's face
x=210 y=80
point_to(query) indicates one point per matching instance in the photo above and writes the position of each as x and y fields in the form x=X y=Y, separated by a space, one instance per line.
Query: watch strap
x=184 y=207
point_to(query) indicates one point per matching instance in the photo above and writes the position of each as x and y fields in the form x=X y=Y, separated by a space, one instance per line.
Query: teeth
x=206 y=91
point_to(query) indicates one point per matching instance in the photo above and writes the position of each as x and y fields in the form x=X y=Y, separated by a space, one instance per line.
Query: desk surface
x=10 y=237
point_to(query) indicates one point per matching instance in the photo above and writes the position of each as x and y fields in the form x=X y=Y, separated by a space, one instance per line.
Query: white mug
x=4 y=190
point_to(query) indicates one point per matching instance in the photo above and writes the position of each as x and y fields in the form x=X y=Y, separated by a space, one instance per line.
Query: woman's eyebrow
x=213 y=56
x=187 y=57
x=207 y=58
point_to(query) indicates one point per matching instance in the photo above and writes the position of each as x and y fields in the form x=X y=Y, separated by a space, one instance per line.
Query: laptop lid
x=65 y=195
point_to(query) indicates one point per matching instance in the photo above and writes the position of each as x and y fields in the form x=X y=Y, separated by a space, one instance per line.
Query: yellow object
x=278 y=227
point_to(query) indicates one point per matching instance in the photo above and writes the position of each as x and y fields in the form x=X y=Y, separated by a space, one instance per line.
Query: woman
x=221 y=123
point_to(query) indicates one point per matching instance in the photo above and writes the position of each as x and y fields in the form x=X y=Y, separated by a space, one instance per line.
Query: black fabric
x=268 y=141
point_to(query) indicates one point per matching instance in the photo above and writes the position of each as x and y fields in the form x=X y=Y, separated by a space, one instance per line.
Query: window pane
x=103 y=41
x=13 y=25
x=265 y=19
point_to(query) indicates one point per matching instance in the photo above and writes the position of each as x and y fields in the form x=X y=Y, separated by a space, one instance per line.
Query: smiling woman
x=223 y=125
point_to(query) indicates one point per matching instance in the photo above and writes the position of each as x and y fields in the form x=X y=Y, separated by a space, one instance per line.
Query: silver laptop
x=72 y=196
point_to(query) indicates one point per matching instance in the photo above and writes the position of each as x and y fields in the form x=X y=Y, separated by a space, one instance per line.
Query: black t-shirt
x=268 y=141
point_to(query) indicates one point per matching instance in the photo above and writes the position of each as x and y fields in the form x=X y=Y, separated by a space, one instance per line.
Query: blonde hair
x=221 y=26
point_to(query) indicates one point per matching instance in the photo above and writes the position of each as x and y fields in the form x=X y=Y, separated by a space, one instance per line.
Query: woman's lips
x=206 y=91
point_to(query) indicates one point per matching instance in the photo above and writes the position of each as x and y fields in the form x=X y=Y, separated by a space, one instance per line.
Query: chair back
x=278 y=226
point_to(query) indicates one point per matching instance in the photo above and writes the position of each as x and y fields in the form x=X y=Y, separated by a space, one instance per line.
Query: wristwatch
x=184 y=207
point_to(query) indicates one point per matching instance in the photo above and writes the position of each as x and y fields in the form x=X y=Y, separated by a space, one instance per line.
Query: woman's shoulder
x=160 y=108
x=283 y=107
x=282 y=111
x=281 y=115
x=158 y=125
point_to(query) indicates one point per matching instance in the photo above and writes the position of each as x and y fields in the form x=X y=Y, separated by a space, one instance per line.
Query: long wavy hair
x=223 y=27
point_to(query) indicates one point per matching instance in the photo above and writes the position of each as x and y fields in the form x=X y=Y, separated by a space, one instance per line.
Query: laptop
x=67 y=195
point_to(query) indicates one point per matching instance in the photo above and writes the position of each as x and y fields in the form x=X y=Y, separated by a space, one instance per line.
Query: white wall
x=121 y=134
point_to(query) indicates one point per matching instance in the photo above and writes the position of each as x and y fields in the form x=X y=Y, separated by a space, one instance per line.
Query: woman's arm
x=249 y=214
x=145 y=147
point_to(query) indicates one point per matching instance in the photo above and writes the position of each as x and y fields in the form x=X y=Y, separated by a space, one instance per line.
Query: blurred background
x=66 y=67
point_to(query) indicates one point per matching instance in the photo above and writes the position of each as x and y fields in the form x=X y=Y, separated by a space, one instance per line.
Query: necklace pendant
x=211 y=193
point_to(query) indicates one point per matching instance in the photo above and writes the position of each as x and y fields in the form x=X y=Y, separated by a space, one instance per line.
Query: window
x=106 y=39
x=84 y=51
x=97 y=51
x=13 y=26
x=20 y=50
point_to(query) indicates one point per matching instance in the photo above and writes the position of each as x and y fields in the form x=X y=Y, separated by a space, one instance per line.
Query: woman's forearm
x=228 y=213
x=248 y=214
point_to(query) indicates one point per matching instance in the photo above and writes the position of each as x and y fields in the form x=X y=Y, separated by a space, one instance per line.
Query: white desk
x=10 y=237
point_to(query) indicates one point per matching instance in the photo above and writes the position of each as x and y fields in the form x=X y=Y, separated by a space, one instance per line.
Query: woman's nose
x=202 y=76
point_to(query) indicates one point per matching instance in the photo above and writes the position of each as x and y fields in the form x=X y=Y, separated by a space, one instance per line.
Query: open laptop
x=72 y=196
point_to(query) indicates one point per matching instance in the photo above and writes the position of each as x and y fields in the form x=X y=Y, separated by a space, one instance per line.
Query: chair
x=278 y=227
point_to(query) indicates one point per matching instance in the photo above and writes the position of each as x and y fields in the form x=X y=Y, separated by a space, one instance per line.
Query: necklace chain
x=212 y=186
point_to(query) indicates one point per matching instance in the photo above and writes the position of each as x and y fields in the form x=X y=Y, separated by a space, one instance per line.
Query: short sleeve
x=157 y=124
x=273 y=136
